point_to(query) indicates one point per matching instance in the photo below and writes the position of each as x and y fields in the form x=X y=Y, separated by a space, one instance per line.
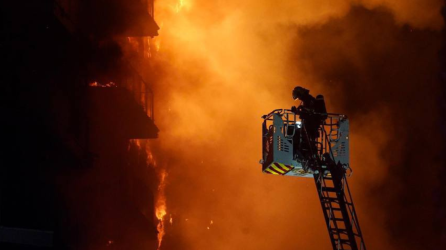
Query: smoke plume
x=226 y=63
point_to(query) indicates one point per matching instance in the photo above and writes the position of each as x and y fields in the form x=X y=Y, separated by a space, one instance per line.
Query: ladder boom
x=303 y=143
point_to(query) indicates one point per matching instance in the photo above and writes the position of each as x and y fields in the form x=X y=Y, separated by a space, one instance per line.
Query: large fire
x=227 y=64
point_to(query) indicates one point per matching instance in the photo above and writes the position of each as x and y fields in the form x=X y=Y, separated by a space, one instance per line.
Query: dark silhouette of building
x=70 y=103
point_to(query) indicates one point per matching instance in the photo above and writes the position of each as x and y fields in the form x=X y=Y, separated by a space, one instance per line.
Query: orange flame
x=161 y=206
x=106 y=85
x=160 y=202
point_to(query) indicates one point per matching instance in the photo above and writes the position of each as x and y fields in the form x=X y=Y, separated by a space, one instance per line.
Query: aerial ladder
x=304 y=142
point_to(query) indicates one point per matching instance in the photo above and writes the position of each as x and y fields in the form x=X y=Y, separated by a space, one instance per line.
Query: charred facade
x=71 y=101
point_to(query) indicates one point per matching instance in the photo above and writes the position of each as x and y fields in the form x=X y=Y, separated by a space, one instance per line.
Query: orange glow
x=160 y=206
x=147 y=47
x=157 y=44
x=106 y=85
x=160 y=197
x=227 y=63
x=146 y=43
x=133 y=41
x=179 y=5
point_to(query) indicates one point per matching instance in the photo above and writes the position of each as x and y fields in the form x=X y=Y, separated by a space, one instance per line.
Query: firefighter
x=312 y=112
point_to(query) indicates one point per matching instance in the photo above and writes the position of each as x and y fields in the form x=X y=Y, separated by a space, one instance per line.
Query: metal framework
x=327 y=162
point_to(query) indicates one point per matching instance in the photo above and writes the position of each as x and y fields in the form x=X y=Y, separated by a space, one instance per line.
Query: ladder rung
x=345 y=241
x=329 y=189
x=333 y=209
x=330 y=199
x=339 y=230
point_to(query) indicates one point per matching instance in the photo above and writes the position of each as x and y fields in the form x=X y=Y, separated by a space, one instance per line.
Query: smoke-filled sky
x=224 y=64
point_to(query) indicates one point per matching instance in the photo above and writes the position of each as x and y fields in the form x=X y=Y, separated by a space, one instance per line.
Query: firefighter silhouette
x=312 y=112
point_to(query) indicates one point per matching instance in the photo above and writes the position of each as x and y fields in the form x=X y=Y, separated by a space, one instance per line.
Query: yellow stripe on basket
x=287 y=168
x=277 y=169
x=270 y=171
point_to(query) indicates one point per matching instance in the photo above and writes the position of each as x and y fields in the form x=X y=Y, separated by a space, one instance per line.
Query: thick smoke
x=226 y=63
x=387 y=80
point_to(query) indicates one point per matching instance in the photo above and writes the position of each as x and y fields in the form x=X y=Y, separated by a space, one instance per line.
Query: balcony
x=106 y=18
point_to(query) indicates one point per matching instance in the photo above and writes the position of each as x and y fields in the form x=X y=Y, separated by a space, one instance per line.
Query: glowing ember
x=107 y=85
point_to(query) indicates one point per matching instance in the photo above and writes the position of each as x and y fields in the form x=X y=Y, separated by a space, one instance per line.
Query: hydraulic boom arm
x=302 y=143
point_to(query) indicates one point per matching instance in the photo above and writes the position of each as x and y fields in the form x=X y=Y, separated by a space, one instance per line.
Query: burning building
x=72 y=176
x=79 y=166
